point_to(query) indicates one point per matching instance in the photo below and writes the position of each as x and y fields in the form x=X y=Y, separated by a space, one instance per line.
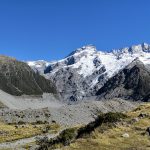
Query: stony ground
x=66 y=115
x=29 y=102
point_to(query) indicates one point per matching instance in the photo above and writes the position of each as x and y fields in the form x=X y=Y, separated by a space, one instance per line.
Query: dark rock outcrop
x=148 y=131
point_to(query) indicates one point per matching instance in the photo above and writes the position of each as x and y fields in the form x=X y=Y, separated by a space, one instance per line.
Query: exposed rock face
x=17 y=78
x=74 y=87
x=74 y=76
x=133 y=82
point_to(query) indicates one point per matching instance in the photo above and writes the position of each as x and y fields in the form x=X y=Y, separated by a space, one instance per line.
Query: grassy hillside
x=127 y=134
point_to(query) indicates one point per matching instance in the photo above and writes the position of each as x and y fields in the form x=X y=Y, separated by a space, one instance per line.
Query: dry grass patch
x=15 y=132
x=2 y=105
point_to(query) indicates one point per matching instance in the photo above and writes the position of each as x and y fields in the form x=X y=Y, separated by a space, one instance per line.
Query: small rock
x=135 y=119
x=128 y=125
x=125 y=135
x=16 y=126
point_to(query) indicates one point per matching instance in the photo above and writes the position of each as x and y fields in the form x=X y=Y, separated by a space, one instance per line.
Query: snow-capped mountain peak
x=85 y=49
x=135 y=49
x=89 y=47
x=90 y=68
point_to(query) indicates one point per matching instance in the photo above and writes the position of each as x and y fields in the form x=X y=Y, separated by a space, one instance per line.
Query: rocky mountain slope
x=83 y=72
x=17 y=78
x=133 y=82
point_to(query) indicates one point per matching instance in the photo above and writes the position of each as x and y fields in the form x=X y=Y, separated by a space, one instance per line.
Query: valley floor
x=19 y=128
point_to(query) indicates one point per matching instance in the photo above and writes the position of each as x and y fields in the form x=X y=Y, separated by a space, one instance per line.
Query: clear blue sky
x=51 y=29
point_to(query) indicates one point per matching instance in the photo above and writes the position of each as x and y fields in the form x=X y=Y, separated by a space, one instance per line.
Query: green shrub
x=112 y=117
x=68 y=135
x=65 y=138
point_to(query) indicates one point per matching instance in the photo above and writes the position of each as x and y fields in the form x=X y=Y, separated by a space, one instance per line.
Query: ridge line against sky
x=51 y=29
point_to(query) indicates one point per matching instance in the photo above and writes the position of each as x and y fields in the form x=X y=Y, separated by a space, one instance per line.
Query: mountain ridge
x=132 y=51
x=17 y=78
